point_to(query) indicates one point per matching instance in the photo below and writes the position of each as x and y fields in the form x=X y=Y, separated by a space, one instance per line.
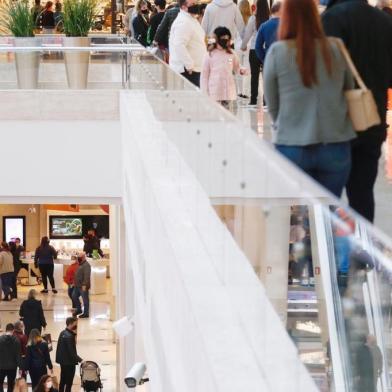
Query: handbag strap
x=350 y=63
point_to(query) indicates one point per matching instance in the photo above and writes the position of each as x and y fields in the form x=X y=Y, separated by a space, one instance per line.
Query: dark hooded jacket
x=367 y=33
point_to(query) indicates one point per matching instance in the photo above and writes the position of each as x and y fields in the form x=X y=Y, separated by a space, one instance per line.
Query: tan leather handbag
x=362 y=107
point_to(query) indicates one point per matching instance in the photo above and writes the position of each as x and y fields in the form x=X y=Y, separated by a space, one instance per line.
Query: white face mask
x=49 y=384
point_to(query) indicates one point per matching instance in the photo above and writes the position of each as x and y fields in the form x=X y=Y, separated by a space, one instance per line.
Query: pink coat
x=217 y=75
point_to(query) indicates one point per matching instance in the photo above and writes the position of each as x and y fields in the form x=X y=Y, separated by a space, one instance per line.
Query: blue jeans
x=6 y=282
x=77 y=293
x=329 y=164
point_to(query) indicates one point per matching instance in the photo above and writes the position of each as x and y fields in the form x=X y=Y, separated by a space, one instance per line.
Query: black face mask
x=223 y=42
x=145 y=12
x=194 y=9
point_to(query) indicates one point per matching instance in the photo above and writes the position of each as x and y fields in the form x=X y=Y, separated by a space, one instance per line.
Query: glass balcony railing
x=326 y=271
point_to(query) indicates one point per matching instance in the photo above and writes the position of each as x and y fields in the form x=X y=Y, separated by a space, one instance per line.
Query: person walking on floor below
x=367 y=33
x=66 y=354
x=82 y=283
x=32 y=313
x=314 y=134
x=6 y=270
x=262 y=14
x=19 y=333
x=37 y=357
x=69 y=279
x=45 y=255
x=9 y=358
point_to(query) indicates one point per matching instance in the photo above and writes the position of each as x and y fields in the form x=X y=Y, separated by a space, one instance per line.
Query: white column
x=263 y=234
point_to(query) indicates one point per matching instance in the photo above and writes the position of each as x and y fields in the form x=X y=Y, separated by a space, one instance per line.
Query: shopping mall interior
x=217 y=265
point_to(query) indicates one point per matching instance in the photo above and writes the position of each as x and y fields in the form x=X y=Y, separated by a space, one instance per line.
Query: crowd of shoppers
x=305 y=76
x=23 y=352
x=48 y=18
x=25 y=347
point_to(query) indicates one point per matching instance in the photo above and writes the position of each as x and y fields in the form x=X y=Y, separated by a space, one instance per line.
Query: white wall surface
x=67 y=159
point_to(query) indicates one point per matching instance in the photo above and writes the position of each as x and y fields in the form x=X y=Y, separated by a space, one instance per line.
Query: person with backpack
x=44 y=258
x=66 y=354
x=37 y=357
x=10 y=358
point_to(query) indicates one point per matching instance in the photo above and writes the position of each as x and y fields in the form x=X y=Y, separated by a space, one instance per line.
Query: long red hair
x=300 y=21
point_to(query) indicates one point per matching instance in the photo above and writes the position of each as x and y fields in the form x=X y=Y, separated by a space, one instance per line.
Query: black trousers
x=365 y=153
x=47 y=271
x=194 y=77
x=255 y=69
x=66 y=378
x=14 y=285
x=10 y=374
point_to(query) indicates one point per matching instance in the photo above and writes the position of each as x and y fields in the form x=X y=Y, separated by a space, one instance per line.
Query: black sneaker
x=76 y=313
x=44 y=291
x=84 y=316
x=54 y=291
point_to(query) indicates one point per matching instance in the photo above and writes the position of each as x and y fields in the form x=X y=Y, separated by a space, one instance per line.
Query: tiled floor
x=95 y=336
x=258 y=120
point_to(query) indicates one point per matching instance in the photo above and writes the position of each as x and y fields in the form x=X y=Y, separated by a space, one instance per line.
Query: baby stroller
x=90 y=375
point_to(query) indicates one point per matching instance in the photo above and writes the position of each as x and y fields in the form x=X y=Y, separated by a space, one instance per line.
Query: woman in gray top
x=305 y=76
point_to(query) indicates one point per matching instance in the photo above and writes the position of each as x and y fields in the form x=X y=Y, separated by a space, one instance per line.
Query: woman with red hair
x=305 y=76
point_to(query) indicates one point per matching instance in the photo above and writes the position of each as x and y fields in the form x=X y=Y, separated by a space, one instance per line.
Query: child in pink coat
x=220 y=65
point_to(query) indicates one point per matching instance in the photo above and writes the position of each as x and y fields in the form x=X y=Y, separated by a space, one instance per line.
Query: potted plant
x=79 y=17
x=17 y=19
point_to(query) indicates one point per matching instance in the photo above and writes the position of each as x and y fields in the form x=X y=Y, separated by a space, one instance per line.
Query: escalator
x=355 y=280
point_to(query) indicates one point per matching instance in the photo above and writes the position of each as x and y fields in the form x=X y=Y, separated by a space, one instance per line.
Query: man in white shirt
x=187 y=43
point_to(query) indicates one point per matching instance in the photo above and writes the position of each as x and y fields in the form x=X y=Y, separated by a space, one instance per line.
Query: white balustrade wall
x=206 y=322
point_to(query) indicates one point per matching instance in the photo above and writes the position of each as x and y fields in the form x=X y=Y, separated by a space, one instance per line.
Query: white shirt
x=186 y=44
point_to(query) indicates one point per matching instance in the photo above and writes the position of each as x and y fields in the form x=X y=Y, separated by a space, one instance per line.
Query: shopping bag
x=48 y=339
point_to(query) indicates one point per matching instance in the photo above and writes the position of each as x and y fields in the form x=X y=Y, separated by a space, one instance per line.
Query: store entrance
x=49 y=244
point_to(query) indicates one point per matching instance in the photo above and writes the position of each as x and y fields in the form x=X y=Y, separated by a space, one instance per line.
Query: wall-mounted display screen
x=77 y=226
x=14 y=227
x=66 y=227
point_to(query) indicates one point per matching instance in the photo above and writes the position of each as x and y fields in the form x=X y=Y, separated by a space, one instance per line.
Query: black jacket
x=154 y=23
x=45 y=255
x=33 y=315
x=9 y=352
x=90 y=244
x=163 y=31
x=37 y=357
x=140 y=27
x=47 y=20
x=367 y=33
x=66 y=349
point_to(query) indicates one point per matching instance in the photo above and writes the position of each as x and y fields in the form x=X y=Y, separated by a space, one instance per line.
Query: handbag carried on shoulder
x=361 y=105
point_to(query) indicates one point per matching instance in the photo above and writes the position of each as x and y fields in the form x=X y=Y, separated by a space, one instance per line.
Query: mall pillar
x=263 y=233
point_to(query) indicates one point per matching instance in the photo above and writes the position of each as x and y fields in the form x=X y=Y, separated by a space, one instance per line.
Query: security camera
x=135 y=375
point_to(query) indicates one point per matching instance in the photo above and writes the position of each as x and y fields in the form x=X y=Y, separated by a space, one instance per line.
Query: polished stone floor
x=258 y=120
x=95 y=336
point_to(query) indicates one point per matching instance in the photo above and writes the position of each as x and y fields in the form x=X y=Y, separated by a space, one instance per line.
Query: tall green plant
x=79 y=17
x=17 y=19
